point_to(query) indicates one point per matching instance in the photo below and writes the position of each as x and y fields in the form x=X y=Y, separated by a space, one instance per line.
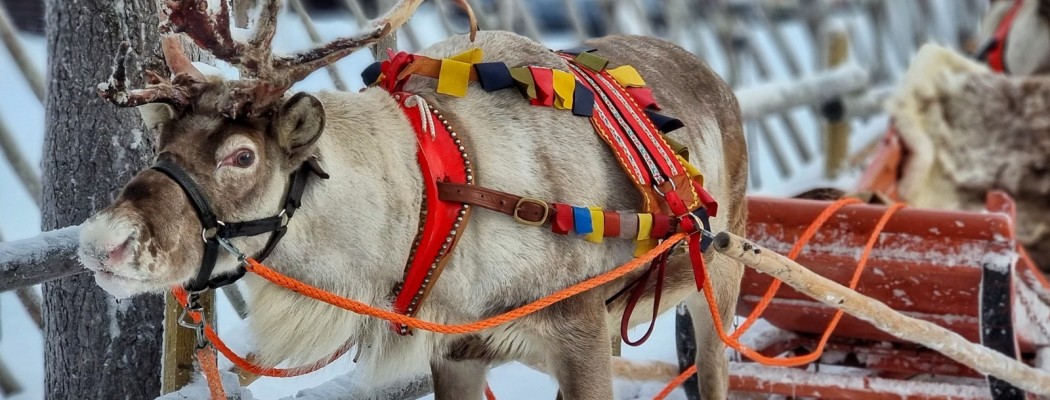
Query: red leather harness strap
x=442 y=158
x=995 y=53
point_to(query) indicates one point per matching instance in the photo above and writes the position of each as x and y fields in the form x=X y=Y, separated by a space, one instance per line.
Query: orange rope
x=733 y=340
x=362 y=308
x=547 y=301
x=244 y=364
x=813 y=356
x=676 y=382
x=803 y=240
x=210 y=368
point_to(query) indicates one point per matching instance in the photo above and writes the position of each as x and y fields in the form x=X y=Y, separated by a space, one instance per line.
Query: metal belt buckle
x=541 y=203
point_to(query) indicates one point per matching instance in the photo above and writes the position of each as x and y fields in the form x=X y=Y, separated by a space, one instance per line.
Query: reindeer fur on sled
x=969 y=131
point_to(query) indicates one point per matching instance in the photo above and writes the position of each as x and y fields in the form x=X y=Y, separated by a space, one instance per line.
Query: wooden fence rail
x=31 y=261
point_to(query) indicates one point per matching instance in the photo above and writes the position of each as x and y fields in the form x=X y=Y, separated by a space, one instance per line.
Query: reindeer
x=240 y=139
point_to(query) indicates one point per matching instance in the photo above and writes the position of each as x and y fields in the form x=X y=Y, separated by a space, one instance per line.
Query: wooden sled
x=961 y=270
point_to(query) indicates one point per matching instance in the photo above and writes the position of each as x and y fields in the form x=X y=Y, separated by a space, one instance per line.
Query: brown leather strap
x=428 y=67
x=525 y=210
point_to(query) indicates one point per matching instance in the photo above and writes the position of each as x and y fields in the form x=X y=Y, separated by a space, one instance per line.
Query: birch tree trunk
x=96 y=347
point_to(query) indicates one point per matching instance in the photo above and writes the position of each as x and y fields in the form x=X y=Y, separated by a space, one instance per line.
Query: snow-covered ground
x=21 y=344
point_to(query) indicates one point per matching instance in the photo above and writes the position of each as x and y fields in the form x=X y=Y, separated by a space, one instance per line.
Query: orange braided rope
x=244 y=364
x=733 y=340
x=210 y=367
x=362 y=308
x=804 y=239
x=544 y=302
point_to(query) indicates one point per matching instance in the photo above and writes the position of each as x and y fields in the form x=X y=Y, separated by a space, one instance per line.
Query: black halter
x=215 y=230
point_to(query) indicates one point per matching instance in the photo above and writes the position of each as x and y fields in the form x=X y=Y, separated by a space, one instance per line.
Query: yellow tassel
x=627 y=76
x=645 y=229
x=692 y=170
x=597 y=225
x=564 y=86
x=472 y=56
x=455 y=72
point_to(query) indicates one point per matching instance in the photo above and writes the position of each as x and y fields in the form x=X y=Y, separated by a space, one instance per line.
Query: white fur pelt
x=968 y=131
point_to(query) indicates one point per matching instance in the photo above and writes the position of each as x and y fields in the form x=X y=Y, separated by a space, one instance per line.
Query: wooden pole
x=837 y=128
x=884 y=318
x=9 y=386
x=48 y=256
x=762 y=67
x=22 y=169
x=760 y=100
x=180 y=343
x=14 y=46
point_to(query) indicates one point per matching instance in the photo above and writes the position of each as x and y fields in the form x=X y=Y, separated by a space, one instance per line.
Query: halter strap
x=215 y=229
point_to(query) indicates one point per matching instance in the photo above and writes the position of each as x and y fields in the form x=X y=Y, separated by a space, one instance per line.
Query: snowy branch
x=770 y=98
x=39 y=259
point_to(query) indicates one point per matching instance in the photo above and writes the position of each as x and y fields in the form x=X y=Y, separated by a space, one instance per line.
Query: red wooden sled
x=962 y=270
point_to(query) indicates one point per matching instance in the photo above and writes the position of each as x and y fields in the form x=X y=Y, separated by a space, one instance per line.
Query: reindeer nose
x=117 y=254
x=107 y=243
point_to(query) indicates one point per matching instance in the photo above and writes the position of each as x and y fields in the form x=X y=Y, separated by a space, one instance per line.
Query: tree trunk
x=96 y=347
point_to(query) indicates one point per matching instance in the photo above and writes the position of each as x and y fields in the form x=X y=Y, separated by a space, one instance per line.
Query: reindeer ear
x=155 y=114
x=299 y=123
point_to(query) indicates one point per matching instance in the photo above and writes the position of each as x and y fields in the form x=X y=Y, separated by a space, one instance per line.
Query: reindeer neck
x=360 y=223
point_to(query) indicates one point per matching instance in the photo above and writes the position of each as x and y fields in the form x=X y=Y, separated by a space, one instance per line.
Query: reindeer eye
x=244 y=158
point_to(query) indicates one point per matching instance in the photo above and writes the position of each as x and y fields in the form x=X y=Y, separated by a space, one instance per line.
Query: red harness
x=995 y=51
x=442 y=158
x=619 y=117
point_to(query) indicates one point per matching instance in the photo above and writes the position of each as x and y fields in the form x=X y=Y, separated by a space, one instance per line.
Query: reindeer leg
x=458 y=379
x=578 y=348
x=712 y=364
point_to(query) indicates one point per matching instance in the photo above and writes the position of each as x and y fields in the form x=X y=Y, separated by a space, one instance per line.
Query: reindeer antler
x=264 y=77
x=179 y=92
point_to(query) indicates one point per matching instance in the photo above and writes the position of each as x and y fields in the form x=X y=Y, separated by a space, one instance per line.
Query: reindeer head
x=237 y=140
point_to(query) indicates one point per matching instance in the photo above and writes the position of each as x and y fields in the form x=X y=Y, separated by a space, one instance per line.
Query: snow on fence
x=754 y=44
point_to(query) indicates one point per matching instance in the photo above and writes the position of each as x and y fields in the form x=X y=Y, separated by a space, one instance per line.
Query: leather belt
x=524 y=210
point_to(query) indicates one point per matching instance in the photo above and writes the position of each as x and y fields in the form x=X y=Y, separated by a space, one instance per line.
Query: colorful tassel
x=598 y=224
x=564 y=85
x=627 y=76
x=543 y=82
x=582 y=220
